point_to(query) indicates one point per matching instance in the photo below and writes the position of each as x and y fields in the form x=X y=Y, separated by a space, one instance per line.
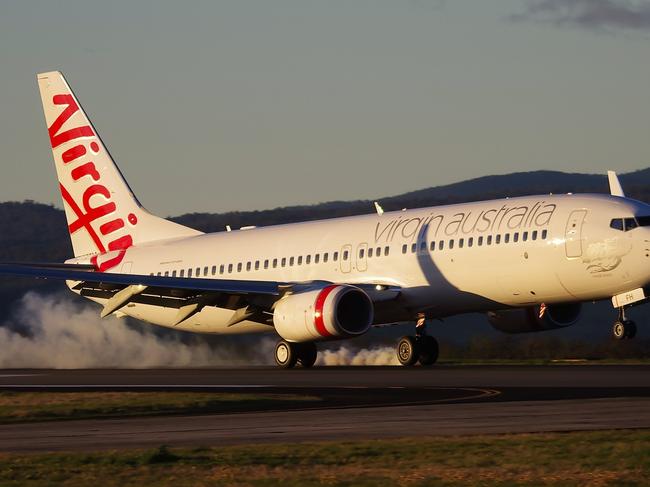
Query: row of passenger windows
x=273 y=263
x=345 y=255
x=480 y=241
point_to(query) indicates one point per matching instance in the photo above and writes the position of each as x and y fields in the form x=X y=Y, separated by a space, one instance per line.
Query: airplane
x=527 y=262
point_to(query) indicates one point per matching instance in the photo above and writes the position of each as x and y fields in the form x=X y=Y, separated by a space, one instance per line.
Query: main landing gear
x=623 y=328
x=288 y=354
x=419 y=348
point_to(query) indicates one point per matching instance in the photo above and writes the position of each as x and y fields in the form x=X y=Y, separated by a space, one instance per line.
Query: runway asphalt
x=358 y=402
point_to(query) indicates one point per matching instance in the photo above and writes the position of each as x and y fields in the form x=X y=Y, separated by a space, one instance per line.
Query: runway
x=358 y=403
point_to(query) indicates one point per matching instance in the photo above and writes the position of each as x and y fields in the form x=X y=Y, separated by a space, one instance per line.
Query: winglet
x=615 y=187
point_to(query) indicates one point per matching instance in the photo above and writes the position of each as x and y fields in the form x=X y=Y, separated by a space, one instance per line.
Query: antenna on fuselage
x=615 y=187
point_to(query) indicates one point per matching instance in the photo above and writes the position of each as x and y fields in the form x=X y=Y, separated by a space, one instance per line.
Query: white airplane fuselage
x=445 y=260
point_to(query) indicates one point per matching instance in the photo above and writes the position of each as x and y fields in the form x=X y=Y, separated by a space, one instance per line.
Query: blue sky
x=242 y=104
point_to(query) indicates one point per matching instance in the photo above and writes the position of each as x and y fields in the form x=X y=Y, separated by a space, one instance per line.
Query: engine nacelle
x=535 y=318
x=327 y=313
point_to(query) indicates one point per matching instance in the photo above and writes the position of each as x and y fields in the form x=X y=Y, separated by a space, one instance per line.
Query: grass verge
x=45 y=406
x=606 y=458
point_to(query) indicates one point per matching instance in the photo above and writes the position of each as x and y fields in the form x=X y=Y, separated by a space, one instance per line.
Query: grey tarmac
x=359 y=403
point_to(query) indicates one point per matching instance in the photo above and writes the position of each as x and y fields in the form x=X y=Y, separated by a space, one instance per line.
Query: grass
x=608 y=458
x=44 y=406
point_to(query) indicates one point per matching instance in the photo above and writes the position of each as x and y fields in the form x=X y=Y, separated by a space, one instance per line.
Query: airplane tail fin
x=104 y=216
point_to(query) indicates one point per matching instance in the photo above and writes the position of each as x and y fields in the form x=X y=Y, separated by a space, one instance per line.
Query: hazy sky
x=242 y=104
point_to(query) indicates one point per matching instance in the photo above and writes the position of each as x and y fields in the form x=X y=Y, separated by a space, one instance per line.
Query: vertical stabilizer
x=104 y=217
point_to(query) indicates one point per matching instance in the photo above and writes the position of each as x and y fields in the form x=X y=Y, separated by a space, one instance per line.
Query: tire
x=285 y=354
x=408 y=351
x=429 y=350
x=619 y=330
x=307 y=354
x=630 y=329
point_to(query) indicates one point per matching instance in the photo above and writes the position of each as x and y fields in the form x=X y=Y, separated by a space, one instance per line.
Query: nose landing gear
x=419 y=348
x=623 y=328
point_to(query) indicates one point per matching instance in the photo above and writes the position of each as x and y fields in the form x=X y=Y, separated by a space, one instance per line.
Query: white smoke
x=59 y=332
x=63 y=332
x=348 y=356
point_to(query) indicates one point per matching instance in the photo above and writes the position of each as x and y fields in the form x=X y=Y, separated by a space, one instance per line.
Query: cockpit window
x=627 y=224
x=617 y=224
x=643 y=221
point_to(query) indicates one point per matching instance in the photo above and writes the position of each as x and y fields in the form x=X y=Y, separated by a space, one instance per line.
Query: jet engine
x=327 y=313
x=535 y=318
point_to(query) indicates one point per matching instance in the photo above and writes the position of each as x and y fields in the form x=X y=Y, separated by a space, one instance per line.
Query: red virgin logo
x=78 y=160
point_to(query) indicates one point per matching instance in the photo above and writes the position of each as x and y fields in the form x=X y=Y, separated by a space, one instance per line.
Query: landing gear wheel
x=408 y=350
x=624 y=329
x=286 y=354
x=631 y=329
x=307 y=353
x=428 y=350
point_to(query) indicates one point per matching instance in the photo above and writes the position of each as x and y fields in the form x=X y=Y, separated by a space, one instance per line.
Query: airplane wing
x=252 y=299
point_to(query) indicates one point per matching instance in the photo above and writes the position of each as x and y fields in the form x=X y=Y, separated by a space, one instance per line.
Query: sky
x=253 y=104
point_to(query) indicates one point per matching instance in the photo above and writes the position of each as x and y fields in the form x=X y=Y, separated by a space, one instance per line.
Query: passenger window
x=205 y=270
x=423 y=247
x=414 y=247
x=173 y=273
x=266 y=263
x=404 y=248
x=451 y=243
x=325 y=257
x=432 y=246
x=291 y=261
x=229 y=268
x=283 y=262
x=214 y=270
x=516 y=237
x=506 y=238
x=345 y=255
x=470 y=241
x=300 y=260
x=386 y=251
x=308 y=260
x=198 y=271
x=248 y=266
x=524 y=236
x=461 y=243
x=480 y=241
x=275 y=263
x=441 y=245
x=240 y=266
x=534 y=235
x=489 y=239
x=370 y=252
x=544 y=234
x=257 y=265
x=497 y=239
x=361 y=253
x=335 y=257
x=221 y=269
x=166 y=273
x=189 y=272
x=316 y=258
x=182 y=273
x=158 y=274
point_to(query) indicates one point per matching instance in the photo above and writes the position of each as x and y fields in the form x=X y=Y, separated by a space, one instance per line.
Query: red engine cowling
x=327 y=313
x=535 y=318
